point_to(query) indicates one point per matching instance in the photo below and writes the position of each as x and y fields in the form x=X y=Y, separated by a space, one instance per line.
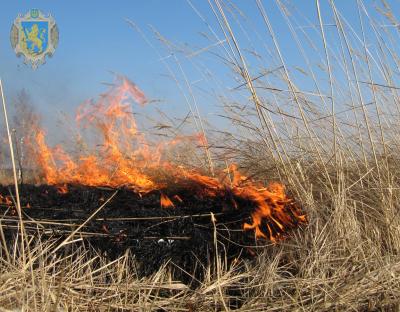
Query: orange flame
x=272 y=204
x=123 y=151
x=166 y=202
x=62 y=189
x=5 y=200
x=124 y=158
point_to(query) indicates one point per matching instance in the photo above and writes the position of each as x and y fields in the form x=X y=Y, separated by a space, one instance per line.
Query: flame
x=166 y=202
x=5 y=200
x=62 y=189
x=123 y=152
x=271 y=205
x=275 y=212
x=123 y=158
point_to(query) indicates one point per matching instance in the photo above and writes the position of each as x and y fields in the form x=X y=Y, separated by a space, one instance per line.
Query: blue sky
x=96 y=39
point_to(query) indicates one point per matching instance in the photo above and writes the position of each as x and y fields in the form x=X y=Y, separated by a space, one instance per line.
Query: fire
x=62 y=189
x=166 y=202
x=6 y=200
x=272 y=205
x=123 y=152
x=275 y=212
x=123 y=158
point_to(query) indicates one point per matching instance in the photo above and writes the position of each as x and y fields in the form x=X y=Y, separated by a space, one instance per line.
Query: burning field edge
x=157 y=227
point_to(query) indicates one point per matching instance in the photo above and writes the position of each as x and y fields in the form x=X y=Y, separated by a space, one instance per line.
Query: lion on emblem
x=36 y=39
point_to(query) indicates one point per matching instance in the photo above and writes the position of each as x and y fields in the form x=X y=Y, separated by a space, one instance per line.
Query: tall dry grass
x=328 y=128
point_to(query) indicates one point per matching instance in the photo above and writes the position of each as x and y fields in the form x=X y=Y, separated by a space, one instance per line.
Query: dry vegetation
x=334 y=145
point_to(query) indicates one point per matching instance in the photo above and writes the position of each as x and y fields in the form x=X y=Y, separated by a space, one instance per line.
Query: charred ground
x=184 y=235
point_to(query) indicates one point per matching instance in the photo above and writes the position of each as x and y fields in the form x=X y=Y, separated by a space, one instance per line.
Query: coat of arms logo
x=34 y=36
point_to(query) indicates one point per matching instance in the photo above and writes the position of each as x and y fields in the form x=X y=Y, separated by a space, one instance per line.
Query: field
x=325 y=127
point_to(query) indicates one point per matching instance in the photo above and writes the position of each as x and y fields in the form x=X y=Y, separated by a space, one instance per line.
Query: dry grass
x=334 y=143
x=346 y=259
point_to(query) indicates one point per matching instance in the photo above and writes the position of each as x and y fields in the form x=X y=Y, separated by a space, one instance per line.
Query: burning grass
x=166 y=215
x=181 y=238
x=125 y=159
x=344 y=245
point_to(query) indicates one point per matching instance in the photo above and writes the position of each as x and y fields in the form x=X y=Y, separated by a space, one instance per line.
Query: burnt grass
x=183 y=236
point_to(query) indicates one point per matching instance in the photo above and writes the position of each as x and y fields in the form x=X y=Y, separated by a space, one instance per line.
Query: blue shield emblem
x=36 y=36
